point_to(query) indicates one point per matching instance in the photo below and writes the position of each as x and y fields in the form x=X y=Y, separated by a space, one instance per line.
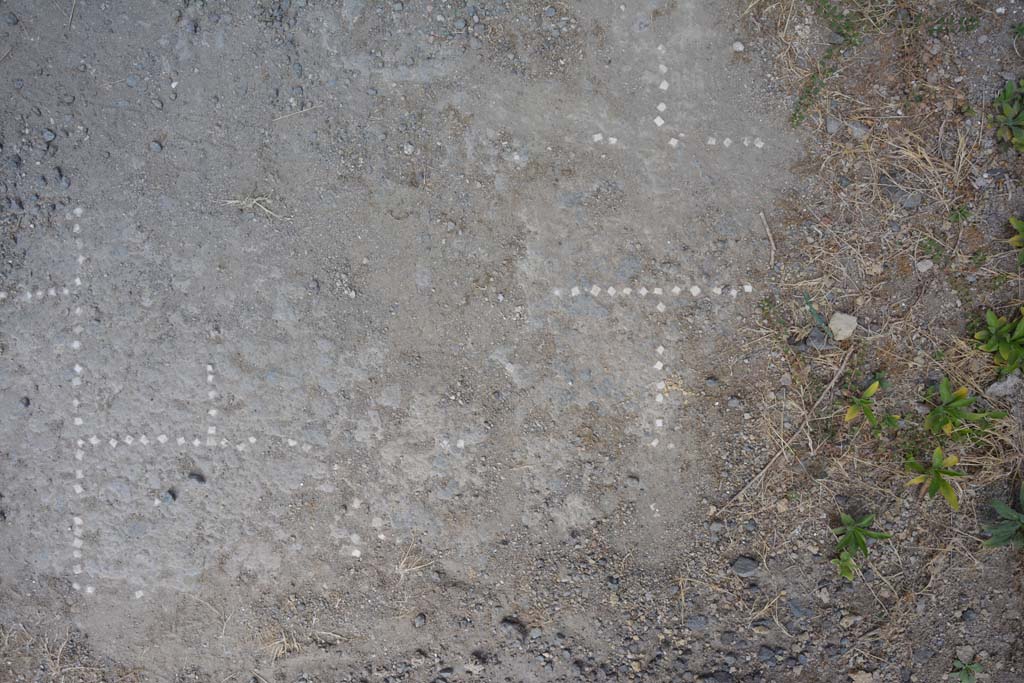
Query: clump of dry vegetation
x=62 y=658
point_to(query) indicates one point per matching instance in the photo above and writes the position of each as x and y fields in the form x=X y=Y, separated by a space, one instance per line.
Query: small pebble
x=49 y=135
x=419 y=620
x=745 y=566
x=26 y=401
x=11 y=19
x=131 y=81
x=397 y=7
x=155 y=146
x=738 y=47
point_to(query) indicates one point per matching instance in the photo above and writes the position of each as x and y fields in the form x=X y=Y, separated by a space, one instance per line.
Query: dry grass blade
x=254 y=201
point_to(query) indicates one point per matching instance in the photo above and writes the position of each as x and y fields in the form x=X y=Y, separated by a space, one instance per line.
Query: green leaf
x=1001 y=534
x=877 y=535
x=1004 y=510
x=949 y=494
x=944 y=391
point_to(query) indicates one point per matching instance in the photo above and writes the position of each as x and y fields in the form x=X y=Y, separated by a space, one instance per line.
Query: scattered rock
x=696 y=622
x=26 y=401
x=1006 y=387
x=745 y=566
x=833 y=125
x=419 y=620
x=155 y=146
x=858 y=130
x=911 y=200
x=924 y=265
x=11 y=19
x=818 y=340
x=738 y=47
x=842 y=325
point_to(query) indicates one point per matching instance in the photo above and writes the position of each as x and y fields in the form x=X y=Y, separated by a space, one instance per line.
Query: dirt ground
x=356 y=340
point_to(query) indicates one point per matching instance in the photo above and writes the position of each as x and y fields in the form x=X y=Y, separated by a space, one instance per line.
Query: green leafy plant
x=951 y=414
x=936 y=476
x=1009 y=118
x=852 y=539
x=845 y=565
x=959 y=214
x=864 y=405
x=1004 y=338
x=1017 y=241
x=817 y=318
x=1018 y=30
x=947 y=24
x=1010 y=531
x=966 y=673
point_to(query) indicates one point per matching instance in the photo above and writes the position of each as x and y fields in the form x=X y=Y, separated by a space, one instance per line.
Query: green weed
x=934 y=249
x=845 y=565
x=966 y=673
x=817 y=317
x=959 y=214
x=1009 y=117
x=947 y=24
x=950 y=414
x=1010 y=531
x=852 y=539
x=1017 y=241
x=936 y=475
x=864 y=405
x=1005 y=339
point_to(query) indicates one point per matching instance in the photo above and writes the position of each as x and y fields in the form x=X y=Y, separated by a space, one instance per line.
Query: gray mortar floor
x=458 y=331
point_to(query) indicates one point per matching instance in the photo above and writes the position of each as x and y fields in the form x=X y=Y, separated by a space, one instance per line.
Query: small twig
x=253 y=202
x=771 y=240
x=71 y=17
x=782 y=451
x=296 y=113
